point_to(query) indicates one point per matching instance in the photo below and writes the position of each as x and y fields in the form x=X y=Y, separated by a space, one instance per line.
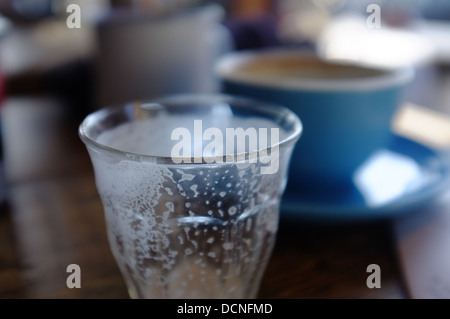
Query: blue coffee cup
x=346 y=109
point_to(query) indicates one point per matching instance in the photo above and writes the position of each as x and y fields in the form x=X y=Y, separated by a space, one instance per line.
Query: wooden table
x=55 y=218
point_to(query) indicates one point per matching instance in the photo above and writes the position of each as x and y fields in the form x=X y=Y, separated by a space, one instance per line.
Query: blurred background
x=57 y=65
x=87 y=66
x=113 y=51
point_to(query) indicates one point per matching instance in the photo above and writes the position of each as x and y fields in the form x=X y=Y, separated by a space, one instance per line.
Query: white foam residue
x=173 y=233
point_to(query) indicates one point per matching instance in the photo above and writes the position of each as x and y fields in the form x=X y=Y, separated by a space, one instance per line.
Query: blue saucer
x=395 y=180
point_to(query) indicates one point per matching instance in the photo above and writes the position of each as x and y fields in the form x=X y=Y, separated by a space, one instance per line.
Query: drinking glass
x=191 y=188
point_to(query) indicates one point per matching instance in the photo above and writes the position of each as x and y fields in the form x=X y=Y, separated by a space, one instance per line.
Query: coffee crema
x=301 y=68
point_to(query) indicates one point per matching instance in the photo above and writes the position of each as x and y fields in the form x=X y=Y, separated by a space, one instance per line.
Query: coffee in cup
x=346 y=108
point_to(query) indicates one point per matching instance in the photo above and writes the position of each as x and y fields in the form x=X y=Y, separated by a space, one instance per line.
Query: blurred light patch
x=386 y=176
x=349 y=38
x=298 y=26
x=423 y=125
x=439 y=33
x=5 y=25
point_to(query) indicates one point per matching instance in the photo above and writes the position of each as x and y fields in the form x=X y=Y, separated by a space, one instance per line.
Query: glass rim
x=267 y=108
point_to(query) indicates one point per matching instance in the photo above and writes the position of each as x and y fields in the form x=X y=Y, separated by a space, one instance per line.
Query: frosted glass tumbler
x=191 y=188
